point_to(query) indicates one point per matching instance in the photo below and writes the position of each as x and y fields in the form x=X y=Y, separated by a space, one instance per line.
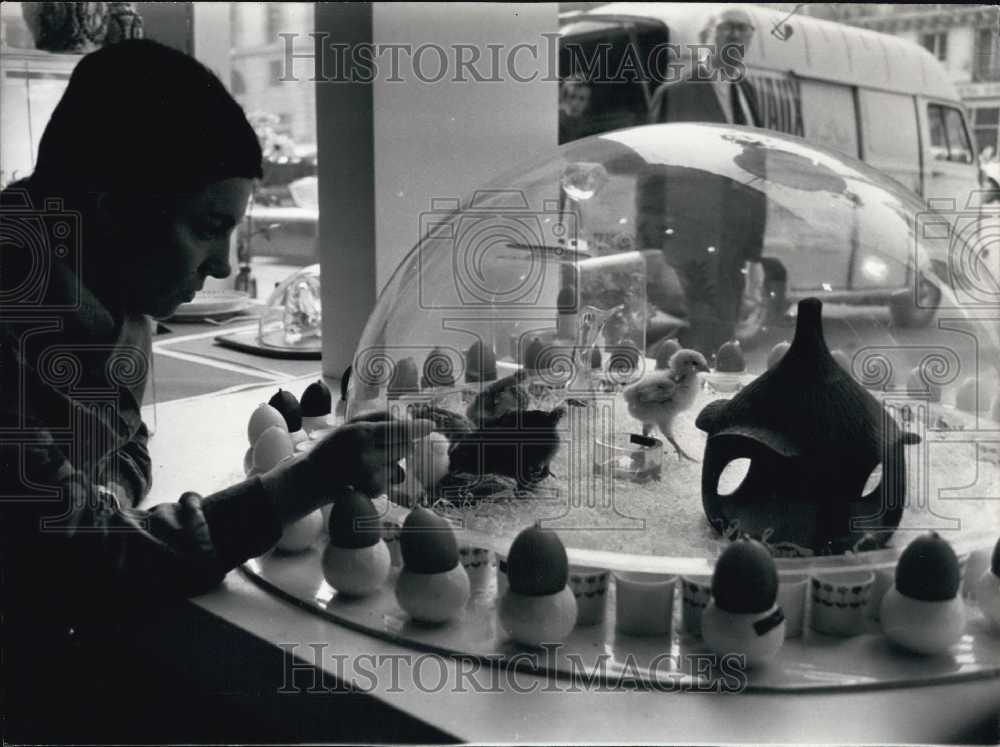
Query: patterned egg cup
x=696 y=592
x=477 y=563
x=839 y=601
x=590 y=587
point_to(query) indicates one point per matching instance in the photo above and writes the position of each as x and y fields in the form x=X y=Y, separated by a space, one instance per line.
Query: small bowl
x=725 y=383
x=644 y=603
x=629 y=456
x=839 y=601
x=792 y=600
x=696 y=592
x=590 y=587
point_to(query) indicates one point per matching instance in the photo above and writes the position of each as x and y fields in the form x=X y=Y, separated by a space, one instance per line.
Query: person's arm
x=128 y=471
x=66 y=521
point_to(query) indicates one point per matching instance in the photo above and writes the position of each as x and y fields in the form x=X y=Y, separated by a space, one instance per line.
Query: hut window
x=732 y=476
x=874 y=480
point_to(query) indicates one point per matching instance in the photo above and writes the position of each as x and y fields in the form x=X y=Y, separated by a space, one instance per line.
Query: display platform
x=814 y=662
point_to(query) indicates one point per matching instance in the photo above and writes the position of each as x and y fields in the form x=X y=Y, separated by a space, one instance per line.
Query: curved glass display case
x=661 y=339
x=557 y=272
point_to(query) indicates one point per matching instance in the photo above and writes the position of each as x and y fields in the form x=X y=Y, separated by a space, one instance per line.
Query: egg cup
x=839 y=601
x=536 y=621
x=476 y=561
x=755 y=636
x=644 y=603
x=920 y=626
x=977 y=564
x=590 y=587
x=792 y=588
x=696 y=592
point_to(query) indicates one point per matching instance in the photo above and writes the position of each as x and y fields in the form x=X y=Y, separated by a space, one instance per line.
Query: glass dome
x=535 y=322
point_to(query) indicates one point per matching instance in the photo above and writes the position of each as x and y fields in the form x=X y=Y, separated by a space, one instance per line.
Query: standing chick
x=660 y=396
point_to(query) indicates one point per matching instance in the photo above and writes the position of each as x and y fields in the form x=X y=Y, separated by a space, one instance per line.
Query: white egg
x=733 y=633
x=919 y=626
x=356 y=571
x=264 y=417
x=533 y=621
x=429 y=459
x=300 y=535
x=273 y=445
x=987 y=593
x=433 y=597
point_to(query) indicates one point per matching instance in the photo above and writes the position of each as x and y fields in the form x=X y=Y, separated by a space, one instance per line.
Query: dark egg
x=428 y=543
x=480 y=363
x=745 y=578
x=405 y=379
x=663 y=351
x=285 y=403
x=354 y=521
x=439 y=369
x=537 y=564
x=317 y=400
x=928 y=570
x=730 y=359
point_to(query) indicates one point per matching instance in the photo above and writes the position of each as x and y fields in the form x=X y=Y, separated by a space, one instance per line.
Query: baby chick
x=518 y=444
x=661 y=395
x=501 y=397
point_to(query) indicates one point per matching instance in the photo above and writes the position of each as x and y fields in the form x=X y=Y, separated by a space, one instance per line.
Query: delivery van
x=875 y=97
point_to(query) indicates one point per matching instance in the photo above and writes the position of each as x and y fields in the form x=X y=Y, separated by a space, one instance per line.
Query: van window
x=889 y=135
x=829 y=116
x=949 y=138
x=986 y=123
x=618 y=64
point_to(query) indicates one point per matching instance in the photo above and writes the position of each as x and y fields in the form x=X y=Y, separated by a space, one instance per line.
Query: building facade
x=261 y=80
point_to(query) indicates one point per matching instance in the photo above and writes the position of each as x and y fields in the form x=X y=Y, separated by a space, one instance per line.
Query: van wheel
x=907 y=313
x=763 y=301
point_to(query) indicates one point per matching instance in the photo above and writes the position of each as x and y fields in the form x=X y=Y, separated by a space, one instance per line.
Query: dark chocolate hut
x=813 y=436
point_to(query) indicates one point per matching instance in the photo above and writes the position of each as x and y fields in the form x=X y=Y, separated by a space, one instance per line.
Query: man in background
x=715 y=90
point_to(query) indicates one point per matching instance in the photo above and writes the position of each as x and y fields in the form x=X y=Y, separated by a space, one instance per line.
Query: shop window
x=936 y=44
x=986 y=55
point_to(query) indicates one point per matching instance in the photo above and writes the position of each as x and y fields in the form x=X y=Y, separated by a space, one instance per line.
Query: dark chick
x=508 y=395
x=519 y=444
x=451 y=424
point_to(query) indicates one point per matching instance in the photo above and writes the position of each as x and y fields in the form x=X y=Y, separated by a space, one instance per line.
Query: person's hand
x=363 y=453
